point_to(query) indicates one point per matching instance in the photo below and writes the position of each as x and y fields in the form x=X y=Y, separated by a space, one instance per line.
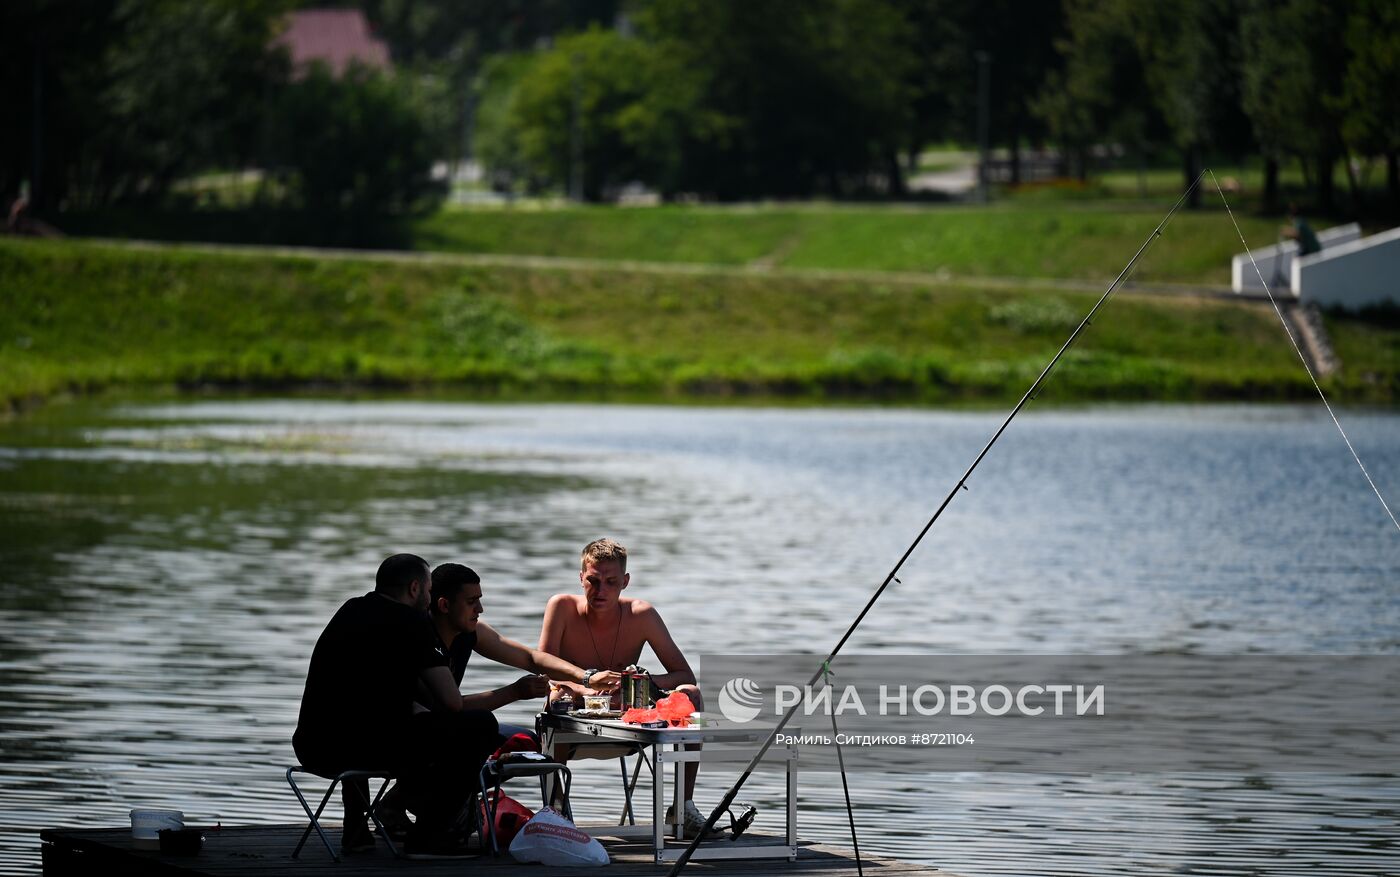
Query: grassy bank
x=1081 y=242
x=82 y=316
x=1070 y=240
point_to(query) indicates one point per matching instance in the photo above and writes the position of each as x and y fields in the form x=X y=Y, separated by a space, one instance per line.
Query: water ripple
x=165 y=570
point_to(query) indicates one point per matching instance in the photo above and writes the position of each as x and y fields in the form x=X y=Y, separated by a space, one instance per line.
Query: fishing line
x=1299 y=350
x=961 y=484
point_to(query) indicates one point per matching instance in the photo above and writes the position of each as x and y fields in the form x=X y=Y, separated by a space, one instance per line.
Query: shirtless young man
x=602 y=630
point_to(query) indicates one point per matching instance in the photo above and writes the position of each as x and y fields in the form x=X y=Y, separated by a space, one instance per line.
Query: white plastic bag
x=553 y=840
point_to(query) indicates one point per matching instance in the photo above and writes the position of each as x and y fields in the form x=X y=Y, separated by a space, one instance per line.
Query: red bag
x=638 y=716
x=516 y=743
x=511 y=816
x=675 y=708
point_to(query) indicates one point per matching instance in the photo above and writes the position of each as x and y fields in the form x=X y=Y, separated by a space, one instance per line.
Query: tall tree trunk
x=1190 y=168
x=1352 y=185
x=1271 y=185
x=1015 y=155
x=1392 y=177
x=38 y=190
x=1326 y=195
x=895 y=173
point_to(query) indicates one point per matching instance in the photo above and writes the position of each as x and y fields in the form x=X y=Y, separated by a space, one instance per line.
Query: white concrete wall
x=1277 y=261
x=1351 y=275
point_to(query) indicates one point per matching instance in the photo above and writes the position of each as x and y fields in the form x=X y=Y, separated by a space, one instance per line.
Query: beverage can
x=636 y=688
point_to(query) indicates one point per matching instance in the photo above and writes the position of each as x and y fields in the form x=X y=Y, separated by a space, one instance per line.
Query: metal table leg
x=658 y=810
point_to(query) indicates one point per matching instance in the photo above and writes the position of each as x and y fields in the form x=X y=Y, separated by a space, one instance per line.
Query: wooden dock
x=264 y=850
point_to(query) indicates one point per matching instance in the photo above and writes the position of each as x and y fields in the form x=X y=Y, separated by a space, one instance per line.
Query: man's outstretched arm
x=504 y=650
x=441 y=690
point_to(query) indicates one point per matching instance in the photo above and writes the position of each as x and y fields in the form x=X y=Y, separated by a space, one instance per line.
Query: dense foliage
x=740 y=100
x=114 y=101
x=363 y=142
x=1292 y=79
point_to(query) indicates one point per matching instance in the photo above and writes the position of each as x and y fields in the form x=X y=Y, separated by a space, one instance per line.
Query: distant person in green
x=1299 y=230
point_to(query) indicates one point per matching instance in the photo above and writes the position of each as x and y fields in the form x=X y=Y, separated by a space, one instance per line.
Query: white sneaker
x=694 y=821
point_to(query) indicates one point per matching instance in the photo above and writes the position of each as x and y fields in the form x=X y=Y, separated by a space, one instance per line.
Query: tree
x=1191 y=69
x=50 y=76
x=184 y=88
x=796 y=98
x=1293 y=58
x=361 y=145
x=568 y=114
x=496 y=140
x=1371 y=88
x=725 y=99
x=121 y=97
x=1020 y=37
x=453 y=39
x=946 y=36
x=941 y=80
x=433 y=30
x=1100 y=93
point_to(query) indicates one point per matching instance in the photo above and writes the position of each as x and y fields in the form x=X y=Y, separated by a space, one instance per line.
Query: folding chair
x=497 y=771
x=348 y=777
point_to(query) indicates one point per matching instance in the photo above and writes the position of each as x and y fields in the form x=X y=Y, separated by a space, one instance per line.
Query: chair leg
x=488 y=806
x=489 y=783
x=568 y=787
x=374 y=817
x=548 y=789
x=315 y=818
x=475 y=805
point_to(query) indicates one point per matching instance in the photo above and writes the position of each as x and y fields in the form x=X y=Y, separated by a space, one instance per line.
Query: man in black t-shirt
x=458 y=632
x=374 y=659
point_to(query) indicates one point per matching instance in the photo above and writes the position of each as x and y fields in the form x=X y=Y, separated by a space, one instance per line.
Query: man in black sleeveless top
x=457 y=632
x=456 y=613
x=377 y=656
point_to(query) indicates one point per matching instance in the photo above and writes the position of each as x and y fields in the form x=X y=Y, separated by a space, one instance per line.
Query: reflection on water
x=165 y=569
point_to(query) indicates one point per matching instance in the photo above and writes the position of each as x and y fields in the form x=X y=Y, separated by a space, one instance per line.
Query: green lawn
x=1035 y=234
x=81 y=316
x=1066 y=241
x=649 y=234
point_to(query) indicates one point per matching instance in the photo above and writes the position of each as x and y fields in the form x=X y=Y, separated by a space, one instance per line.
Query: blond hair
x=600 y=550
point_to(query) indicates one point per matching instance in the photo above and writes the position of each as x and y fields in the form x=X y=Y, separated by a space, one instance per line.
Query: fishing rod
x=961 y=484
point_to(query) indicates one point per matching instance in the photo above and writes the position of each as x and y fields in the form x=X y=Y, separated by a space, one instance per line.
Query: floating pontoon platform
x=265 y=850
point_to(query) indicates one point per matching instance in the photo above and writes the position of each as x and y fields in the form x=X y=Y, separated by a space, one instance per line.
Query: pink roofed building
x=334 y=36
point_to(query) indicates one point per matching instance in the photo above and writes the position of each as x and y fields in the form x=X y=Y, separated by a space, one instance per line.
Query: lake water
x=166 y=567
